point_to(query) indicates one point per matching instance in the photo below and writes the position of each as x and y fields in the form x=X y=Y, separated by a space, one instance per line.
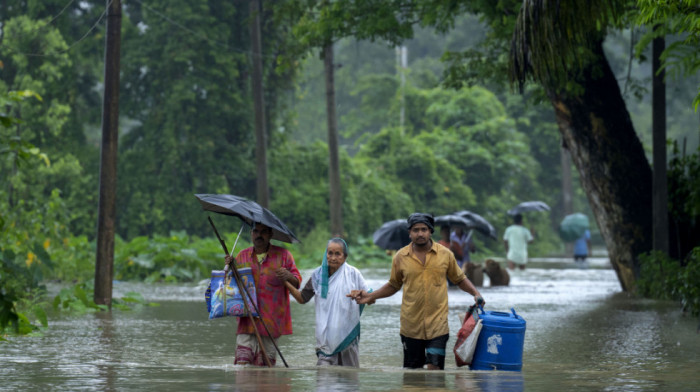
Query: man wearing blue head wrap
x=420 y=269
x=337 y=317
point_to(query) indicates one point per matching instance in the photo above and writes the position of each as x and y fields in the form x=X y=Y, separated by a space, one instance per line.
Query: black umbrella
x=528 y=206
x=249 y=211
x=479 y=223
x=392 y=235
x=453 y=220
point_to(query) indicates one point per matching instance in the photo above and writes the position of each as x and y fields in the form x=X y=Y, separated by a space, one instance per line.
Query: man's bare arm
x=468 y=287
x=363 y=297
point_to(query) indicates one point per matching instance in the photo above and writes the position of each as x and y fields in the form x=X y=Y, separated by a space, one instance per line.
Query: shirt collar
x=408 y=249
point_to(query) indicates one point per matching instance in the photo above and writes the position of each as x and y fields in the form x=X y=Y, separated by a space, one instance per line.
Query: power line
x=200 y=35
x=97 y=22
x=59 y=14
x=156 y=12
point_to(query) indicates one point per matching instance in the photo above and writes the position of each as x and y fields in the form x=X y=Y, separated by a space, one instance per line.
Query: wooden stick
x=239 y=282
x=255 y=307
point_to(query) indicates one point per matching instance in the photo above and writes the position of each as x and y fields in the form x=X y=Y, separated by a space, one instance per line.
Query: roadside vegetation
x=436 y=136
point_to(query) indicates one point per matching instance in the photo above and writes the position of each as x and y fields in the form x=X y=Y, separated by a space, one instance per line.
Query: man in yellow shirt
x=420 y=268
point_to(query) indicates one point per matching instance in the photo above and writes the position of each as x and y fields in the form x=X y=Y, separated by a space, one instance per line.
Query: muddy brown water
x=583 y=333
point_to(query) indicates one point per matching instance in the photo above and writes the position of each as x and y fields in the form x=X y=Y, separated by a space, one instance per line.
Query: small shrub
x=662 y=277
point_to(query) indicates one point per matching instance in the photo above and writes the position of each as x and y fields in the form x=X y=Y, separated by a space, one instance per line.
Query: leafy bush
x=174 y=258
x=362 y=252
x=684 y=202
x=20 y=295
x=662 y=277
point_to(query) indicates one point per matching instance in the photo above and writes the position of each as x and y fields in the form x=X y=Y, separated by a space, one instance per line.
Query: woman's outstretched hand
x=361 y=297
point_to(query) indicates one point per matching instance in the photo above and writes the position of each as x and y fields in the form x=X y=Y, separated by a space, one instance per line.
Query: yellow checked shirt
x=424 y=303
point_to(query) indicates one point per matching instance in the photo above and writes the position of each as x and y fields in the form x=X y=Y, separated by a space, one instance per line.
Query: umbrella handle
x=223 y=244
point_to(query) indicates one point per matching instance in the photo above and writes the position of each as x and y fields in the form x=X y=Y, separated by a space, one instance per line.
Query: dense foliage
x=663 y=277
x=186 y=127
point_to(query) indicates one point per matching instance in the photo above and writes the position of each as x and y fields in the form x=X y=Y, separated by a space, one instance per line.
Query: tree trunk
x=609 y=157
x=658 y=120
x=336 y=206
x=106 y=221
x=567 y=192
x=259 y=103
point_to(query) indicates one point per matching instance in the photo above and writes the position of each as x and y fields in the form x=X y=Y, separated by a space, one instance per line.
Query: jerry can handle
x=514 y=314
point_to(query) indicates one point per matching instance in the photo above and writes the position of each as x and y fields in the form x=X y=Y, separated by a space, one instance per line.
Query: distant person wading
x=515 y=239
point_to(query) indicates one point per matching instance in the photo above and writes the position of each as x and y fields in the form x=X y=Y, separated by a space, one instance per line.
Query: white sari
x=337 y=316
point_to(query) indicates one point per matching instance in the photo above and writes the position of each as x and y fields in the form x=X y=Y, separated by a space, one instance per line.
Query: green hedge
x=662 y=277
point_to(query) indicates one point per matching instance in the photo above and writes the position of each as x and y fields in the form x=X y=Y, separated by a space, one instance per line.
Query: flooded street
x=582 y=333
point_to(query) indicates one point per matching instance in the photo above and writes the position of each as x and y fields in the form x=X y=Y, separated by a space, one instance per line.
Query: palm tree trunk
x=614 y=171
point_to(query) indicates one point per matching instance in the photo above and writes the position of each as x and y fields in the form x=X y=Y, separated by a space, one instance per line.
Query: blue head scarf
x=324 y=264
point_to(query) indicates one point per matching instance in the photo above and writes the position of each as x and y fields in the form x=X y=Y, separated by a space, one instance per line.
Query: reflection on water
x=582 y=333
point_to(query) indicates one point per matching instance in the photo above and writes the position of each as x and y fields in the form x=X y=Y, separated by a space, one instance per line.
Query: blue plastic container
x=500 y=343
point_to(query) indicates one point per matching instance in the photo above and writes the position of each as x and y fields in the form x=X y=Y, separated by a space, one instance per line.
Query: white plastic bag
x=465 y=351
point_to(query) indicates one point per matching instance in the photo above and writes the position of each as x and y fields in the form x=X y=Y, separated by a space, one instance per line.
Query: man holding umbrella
x=420 y=269
x=271 y=266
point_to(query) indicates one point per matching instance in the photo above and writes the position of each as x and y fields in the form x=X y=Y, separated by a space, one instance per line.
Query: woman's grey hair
x=338 y=240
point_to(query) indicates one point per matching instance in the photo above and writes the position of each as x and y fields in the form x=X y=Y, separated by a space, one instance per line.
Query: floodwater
x=582 y=333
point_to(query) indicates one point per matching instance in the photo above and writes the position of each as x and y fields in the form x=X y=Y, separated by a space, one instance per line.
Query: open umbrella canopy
x=479 y=223
x=529 y=206
x=573 y=226
x=453 y=220
x=392 y=235
x=248 y=211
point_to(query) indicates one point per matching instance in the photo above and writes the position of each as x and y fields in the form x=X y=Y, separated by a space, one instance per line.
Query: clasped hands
x=361 y=297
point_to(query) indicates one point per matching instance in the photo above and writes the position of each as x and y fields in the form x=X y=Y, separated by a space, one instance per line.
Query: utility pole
x=658 y=120
x=106 y=221
x=259 y=103
x=336 y=205
x=402 y=64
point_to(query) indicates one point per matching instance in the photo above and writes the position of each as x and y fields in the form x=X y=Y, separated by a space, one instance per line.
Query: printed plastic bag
x=467 y=337
x=223 y=294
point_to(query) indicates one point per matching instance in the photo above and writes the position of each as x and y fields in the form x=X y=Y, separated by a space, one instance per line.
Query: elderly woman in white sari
x=337 y=316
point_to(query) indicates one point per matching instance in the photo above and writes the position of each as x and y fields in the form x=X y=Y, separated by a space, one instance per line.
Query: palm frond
x=552 y=38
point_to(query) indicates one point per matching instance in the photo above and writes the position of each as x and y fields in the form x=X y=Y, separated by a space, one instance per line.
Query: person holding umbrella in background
x=448 y=243
x=582 y=247
x=574 y=228
x=271 y=266
x=465 y=243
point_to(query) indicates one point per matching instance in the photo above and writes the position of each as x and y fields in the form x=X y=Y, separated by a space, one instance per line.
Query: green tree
x=681 y=58
x=571 y=66
x=185 y=86
x=36 y=56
